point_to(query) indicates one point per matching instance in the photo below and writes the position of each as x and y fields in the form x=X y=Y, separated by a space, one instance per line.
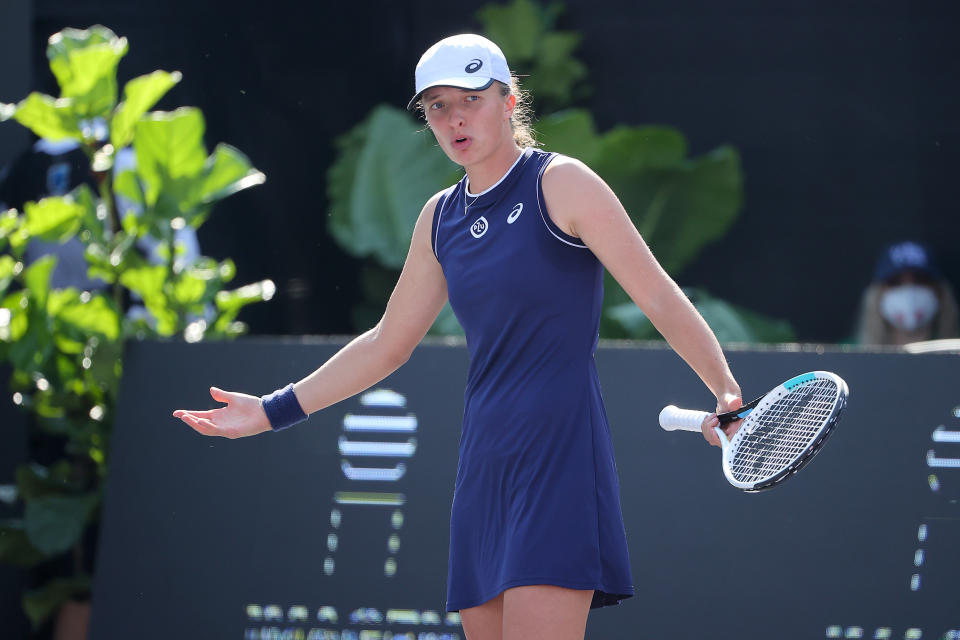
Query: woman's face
x=469 y=125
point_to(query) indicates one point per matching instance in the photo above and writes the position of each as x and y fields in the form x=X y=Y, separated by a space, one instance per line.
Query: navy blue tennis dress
x=537 y=494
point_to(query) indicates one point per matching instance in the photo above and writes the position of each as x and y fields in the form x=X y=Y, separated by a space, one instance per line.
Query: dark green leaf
x=703 y=201
x=631 y=321
x=729 y=322
x=515 y=27
x=35 y=345
x=377 y=194
x=42 y=603
x=15 y=547
x=56 y=523
x=570 y=132
x=735 y=324
x=627 y=151
x=556 y=73
x=524 y=31
x=140 y=94
x=35 y=481
x=679 y=205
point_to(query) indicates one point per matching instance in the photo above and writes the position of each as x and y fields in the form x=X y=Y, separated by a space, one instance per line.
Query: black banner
x=337 y=528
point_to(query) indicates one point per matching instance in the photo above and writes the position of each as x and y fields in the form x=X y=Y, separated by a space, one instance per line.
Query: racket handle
x=672 y=418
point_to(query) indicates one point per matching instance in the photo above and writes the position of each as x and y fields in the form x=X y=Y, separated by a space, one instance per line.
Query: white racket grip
x=672 y=418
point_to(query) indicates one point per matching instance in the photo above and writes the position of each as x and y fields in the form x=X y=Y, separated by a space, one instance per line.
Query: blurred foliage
x=375 y=197
x=729 y=322
x=65 y=345
x=389 y=165
x=524 y=31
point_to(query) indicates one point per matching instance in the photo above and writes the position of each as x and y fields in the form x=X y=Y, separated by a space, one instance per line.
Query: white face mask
x=909 y=306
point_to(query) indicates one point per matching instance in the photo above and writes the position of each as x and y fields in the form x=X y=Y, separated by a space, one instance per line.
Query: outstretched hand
x=243 y=416
x=726 y=402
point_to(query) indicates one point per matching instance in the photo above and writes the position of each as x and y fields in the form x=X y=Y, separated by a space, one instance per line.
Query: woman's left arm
x=582 y=205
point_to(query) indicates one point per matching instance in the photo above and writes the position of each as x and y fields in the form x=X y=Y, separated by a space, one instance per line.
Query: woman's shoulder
x=440 y=196
x=436 y=201
x=567 y=173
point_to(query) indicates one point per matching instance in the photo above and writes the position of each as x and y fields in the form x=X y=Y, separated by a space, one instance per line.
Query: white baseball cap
x=465 y=61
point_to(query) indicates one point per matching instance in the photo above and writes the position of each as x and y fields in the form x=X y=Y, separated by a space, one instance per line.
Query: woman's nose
x=456 y=117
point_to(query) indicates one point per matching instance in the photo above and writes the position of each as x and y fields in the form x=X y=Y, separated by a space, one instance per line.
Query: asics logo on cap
x=474 y=65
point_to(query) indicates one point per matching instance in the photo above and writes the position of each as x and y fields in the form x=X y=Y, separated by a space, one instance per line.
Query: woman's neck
x=491 y=169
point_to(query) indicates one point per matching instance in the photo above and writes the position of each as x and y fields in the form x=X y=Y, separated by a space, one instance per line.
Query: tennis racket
x=781 y=432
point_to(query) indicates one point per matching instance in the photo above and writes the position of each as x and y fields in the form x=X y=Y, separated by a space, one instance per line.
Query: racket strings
x=782 y=431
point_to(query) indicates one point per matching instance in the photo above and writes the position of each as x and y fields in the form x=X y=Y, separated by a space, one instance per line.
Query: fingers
x=707 y=428
x=731 y=428
x=201 y=425
x=208 y=415
x=728 y=402
x=220 y=395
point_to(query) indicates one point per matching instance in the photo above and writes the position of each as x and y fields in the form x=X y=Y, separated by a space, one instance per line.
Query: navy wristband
x=282 y=408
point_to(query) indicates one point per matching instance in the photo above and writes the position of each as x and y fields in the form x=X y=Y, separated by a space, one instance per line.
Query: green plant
x=65 y=345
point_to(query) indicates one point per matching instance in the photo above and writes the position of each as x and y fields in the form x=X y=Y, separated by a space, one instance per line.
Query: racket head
x=785 y=430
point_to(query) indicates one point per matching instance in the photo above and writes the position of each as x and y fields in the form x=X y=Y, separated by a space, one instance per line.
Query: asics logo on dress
x=479 y=227
x=474 y=65
x=517 y=210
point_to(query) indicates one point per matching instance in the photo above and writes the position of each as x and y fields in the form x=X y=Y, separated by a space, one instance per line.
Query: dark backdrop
x=844 y=114
x=13 y=452
x=16 y=42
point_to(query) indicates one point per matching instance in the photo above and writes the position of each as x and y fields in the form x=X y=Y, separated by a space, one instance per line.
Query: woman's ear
x=510 y=103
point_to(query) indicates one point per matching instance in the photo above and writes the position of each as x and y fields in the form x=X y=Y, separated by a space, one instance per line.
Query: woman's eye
x=436 y=105
x=472 y=98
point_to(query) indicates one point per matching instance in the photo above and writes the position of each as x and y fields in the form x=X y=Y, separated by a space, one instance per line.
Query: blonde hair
x=520 y=120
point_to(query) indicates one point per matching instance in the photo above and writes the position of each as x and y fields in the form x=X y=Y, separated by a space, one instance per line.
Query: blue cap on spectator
x=904 y=256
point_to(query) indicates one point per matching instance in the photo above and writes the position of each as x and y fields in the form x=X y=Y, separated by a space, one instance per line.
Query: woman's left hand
x=725 y=402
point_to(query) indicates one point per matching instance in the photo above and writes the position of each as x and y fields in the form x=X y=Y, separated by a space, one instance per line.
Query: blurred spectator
x=54 y=168
x=51 y=168
x=908 y=300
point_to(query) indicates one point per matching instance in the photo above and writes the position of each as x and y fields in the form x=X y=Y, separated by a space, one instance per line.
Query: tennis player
x=518 y=246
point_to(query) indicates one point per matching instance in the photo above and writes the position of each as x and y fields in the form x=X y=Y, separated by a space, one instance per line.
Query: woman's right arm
x=416 y=300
